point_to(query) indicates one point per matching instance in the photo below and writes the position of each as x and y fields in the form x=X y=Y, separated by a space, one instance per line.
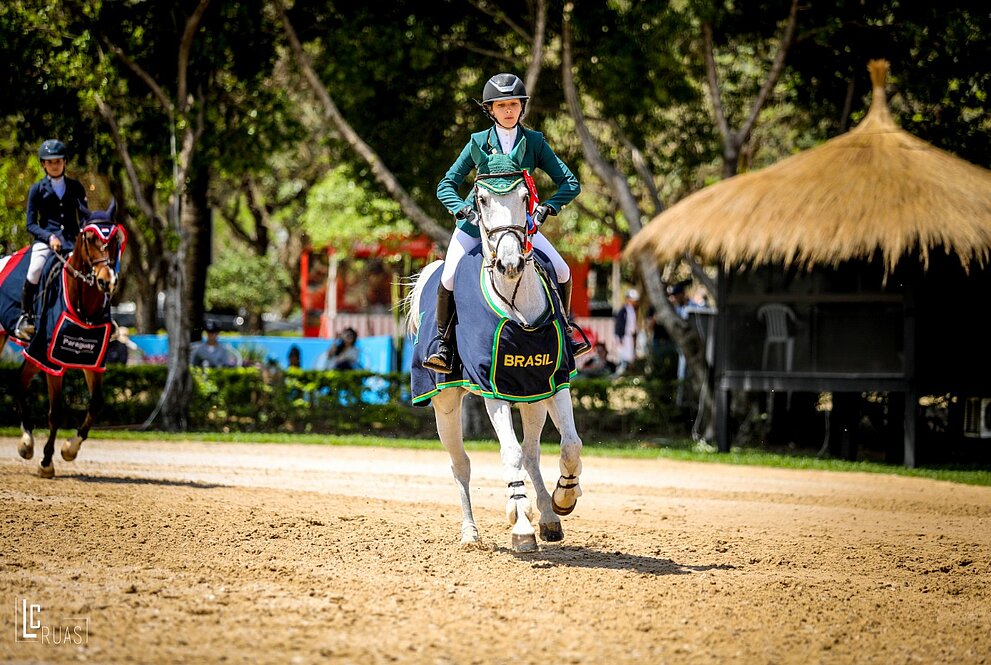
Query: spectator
x=123 y=350
x=294 y=357
x=342 y=354
x=625 y=330
x=597 y=363
x=213 y=352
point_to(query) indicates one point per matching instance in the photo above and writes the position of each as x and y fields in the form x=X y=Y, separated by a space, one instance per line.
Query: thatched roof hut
x=874 y=192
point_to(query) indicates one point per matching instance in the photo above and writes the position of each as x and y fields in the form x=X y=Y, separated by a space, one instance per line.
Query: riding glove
x=541 y=212
x=468 y=214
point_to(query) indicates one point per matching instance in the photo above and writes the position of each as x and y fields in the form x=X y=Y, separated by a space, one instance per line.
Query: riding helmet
x=504 y=86
x=52 y=149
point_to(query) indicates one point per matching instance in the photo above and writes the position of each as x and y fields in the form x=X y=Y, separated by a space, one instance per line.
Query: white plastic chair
x=776 y=317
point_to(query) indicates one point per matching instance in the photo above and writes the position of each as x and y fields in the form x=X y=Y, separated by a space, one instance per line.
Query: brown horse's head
x=98 y=247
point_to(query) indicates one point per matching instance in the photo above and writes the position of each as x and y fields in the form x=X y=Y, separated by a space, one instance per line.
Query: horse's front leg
x=447 y=413
x=47 y=468
x=534 y=416
x=518 y=509
x=567 y=490
x=70 y=447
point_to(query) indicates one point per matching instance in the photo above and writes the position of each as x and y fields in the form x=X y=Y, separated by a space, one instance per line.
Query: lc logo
x=30 y=621
x=29 y=627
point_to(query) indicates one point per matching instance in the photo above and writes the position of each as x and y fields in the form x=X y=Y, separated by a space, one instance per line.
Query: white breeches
x=462 y=243
x=40 y=252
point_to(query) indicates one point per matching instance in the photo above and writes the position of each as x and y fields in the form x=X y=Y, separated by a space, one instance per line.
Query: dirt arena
x=197 y=553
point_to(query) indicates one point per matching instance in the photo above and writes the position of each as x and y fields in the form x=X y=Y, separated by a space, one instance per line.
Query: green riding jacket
x=538 y=155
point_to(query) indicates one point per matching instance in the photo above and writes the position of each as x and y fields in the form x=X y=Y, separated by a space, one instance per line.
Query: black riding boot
x=25 y=327
x=442 y=361
x=577 y=347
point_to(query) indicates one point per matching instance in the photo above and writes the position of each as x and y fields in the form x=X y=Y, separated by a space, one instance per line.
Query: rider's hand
x=541 y=212
x=54 y=243
x=468 y=214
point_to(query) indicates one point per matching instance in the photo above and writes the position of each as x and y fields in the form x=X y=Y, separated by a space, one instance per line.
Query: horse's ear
x=111 y=209
x=84 y=211
x=479 y=157
x=517 y=154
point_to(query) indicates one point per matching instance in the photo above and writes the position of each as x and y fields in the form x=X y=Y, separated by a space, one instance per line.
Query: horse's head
x=98 y=246
x=502 y=197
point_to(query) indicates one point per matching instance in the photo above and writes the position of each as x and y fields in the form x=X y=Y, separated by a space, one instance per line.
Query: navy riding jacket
x=49 y=215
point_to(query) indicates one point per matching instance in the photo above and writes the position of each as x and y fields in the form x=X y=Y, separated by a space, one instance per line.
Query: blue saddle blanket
x=62 y=340
x=495 y=356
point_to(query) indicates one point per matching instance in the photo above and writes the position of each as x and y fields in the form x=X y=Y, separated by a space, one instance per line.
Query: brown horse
x=87 y=279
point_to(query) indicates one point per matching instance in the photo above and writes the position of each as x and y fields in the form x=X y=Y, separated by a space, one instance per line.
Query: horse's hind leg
x=94 y=381
x=447 y=413
x=25 y=447
x=534 y=416
x=567 y=490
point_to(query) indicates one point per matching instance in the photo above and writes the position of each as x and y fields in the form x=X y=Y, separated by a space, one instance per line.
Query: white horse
x=509 y=269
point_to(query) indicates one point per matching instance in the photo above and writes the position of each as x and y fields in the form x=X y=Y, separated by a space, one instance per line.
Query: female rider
x=504 y=101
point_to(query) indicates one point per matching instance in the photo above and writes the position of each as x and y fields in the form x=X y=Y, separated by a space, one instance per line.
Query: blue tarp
x=374 y=353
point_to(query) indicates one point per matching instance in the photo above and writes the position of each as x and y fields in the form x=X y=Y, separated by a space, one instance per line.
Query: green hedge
x=260 y=400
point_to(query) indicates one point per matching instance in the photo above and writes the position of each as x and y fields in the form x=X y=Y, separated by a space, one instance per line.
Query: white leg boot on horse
x=567 y=490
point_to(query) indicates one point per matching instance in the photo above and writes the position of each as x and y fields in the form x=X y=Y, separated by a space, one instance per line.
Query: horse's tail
x=410 y=305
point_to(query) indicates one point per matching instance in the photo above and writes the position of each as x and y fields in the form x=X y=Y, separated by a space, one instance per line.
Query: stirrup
x=24 y=329
x=438 y=363
x=578 y=348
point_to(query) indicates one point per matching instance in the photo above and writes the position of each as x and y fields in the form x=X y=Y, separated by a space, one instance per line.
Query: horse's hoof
x=551 y=532
x=470 y=539
x=472 y=545
x=561 y=510
x=524 y=542
x=26 y=449
x=70 y=450
x=46 y=471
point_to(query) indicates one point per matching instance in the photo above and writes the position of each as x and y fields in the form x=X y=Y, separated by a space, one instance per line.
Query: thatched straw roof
x=874 y=190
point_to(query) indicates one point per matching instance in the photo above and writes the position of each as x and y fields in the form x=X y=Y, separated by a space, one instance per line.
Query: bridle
x=520 y=233
x=90 y=278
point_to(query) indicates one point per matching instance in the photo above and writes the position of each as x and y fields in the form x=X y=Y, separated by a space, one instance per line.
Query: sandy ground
x=199 y=553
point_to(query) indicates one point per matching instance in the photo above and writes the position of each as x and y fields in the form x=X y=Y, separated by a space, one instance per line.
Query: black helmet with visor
x=52 y=149
x=504 y=86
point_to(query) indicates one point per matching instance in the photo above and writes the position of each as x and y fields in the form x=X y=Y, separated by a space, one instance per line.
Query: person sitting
x=293 y=358
x=213 y=352
x=504 y=101
x=53 y=215
x=342 y=355
x=123 y=350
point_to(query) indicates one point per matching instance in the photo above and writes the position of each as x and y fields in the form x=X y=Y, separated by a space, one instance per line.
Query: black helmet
x=504 y=86
x=52 y=149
